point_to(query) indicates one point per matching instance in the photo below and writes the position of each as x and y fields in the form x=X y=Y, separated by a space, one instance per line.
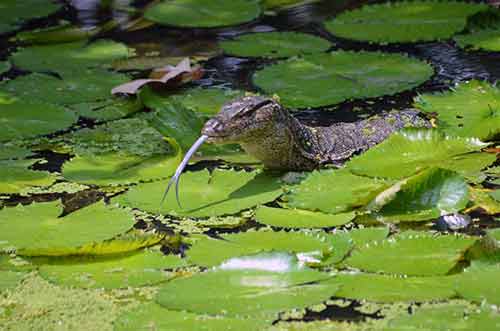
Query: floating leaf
x=487 y=40
x=10 y=279
x=404 y=21
x=479 y=282
x=24 y=119
x=107 y=110
x=16 y=176
x=297 y=218
x=427 y=195
x=325 y=79
x=334 y=191
x=275 y=44
x=11 y=151
x=406 y=152
x=153 y=316
x=446 y=317
x=383 y=288
x=62 y=33
x=4 y=66
x=74 y=88
x=14 y=12
x=211 y=252
x=202 y=194
x=471 y=109
x=120 y=152
x=246 y=293
x=411 y=253
x=132 y=270
x=70 y=57
x=37 y=229
x=203 y=13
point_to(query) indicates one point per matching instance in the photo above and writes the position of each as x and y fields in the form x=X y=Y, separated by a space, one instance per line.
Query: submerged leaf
x=404 y=21
x=37 y=229
x=326 y=79
x=222 y=192
x=471 y=109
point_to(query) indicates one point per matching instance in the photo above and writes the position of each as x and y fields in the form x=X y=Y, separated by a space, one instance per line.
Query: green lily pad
x=479 y=282
x=74 y=88
x=132 y=270
x=275 y=44
x=246 y=293
x=10 y=279
x=12 y=151
x=211 y=252
x=364 y=236
x=427 y=195
x=16 y=176
x=203 y=13
x=155 y=317
x=4 y=66
x=37 y=229
x=404 y=21
x=333 y=191
x=24 y=119
x=411 y=253
x=406 y=152
x=120 y=152
x=384 y=288
x=446 y=317
x=487 y=40
x=471 y=109
x=107 y=110
x=14 y=12
x=202 y=194
x=326 y=79
x=297 y=218
x=67 y=58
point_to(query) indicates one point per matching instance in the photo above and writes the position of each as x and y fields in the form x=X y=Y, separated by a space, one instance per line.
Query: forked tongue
x=175 y=178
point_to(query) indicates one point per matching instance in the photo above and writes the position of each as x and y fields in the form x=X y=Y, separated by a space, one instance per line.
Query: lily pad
x=107 y=110
x=202 y=194
x=275 y=44
x=70 y=57
x=37 y=229
x=203 y=13
x=12 y=151
x=74 y=88
x=24 y=119
x=326 y=79
x=10 y=279
x=427 y=195
x=384 y=288
x=404 y=21
x=333 y=191
x=14 y=12
x=16 y=176
x=479 y=282
x=4 y=66
x=211 y=252
x=406 y=152
x=297 y=218
x=446 y=317
x=247 y=292
x=411 y=253
x=132 y=270
x=487 y=40
x=120 y=152
x=154 y=316
x=471 y=109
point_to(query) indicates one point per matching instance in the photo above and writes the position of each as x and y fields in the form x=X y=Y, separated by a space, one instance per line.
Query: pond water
x=405 y=235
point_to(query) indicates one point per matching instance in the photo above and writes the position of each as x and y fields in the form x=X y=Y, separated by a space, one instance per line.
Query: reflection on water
x=90 y=12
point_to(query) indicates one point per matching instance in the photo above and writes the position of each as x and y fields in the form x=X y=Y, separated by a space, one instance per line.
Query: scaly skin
x=268 y=132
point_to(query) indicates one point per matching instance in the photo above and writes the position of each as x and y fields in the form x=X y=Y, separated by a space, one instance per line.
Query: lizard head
x=242 y=120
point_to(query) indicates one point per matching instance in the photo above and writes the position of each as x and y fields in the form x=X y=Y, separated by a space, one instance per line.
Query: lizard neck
x=285 y=144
